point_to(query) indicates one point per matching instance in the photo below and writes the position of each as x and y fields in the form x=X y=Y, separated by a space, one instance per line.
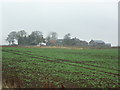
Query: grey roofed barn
x=99 y=44
x=98 y=41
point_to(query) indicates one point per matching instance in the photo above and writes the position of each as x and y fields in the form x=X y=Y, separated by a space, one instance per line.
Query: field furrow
x=33 y=63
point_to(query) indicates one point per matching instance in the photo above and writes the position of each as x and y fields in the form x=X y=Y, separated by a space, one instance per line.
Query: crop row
x=81 y=74
x=66 y=72
x=80 y=62
x=59 y=61
x=80 y=78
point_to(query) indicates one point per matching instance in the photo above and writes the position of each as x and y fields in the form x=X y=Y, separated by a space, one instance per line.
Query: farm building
x=108 y=45
x=73 y=42
x=51 y=43
x=83 y=43
x=99 y=44
x=59 y=42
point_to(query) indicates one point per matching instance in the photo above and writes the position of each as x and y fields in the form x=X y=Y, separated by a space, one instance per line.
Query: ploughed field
x=57 y=67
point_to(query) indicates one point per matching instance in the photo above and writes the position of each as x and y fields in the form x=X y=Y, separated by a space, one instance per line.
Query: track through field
x=94 y=70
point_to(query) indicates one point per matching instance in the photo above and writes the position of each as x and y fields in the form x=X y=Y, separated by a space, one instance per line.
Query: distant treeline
x=37 y=38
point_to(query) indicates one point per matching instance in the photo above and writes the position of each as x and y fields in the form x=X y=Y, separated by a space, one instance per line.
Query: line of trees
x=36 y=38
x=22 y=38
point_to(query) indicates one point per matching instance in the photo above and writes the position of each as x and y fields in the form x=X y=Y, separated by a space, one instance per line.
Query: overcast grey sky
x=84 y=20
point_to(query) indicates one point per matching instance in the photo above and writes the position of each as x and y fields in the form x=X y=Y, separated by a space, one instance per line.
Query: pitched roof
x=98 y=41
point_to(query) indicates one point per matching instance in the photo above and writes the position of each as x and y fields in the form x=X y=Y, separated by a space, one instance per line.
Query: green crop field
x=58 y=67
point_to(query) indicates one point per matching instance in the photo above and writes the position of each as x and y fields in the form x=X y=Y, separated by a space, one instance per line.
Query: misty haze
x=59 y=44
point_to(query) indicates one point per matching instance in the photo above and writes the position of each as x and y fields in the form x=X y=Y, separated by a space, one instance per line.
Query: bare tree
x=21 y=37
x=67 y=39
x=36 y=37
x=52 y=38
x=11 y=37
x=21 y=33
